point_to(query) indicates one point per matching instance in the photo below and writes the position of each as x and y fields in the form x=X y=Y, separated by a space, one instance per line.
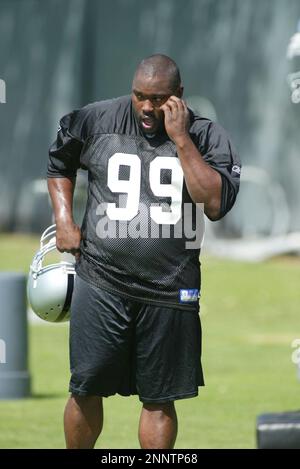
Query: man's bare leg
x=158 y=426
x=83 y=421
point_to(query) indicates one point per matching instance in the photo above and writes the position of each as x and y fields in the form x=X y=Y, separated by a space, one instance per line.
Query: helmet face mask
x=50 y=287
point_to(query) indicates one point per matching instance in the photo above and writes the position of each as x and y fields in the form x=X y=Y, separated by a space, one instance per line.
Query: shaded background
x=59 y=55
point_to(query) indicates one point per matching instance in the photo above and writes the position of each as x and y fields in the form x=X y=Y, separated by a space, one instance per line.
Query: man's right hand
x=68 y=237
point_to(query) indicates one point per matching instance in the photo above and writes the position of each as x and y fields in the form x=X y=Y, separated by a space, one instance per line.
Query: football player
x=154 y=169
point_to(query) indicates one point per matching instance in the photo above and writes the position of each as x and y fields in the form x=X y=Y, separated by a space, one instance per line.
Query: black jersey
x=141 y=233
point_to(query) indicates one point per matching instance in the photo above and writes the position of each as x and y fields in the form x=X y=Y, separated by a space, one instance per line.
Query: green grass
x=250 y=316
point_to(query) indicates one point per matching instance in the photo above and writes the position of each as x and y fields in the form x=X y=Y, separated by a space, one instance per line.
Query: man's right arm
x=68 y=234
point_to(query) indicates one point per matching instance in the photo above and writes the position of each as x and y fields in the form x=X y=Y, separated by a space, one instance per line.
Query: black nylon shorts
x=118 y=345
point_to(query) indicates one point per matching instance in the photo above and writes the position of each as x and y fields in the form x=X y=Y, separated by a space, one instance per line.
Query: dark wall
x=59 y=55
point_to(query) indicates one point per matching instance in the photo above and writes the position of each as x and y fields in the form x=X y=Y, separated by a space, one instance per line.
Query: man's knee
x=165 y=408
x=85 y=401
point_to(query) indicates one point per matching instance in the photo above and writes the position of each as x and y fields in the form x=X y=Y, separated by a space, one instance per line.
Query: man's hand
x=68 y=238
x=176 y=119
x=204 y=184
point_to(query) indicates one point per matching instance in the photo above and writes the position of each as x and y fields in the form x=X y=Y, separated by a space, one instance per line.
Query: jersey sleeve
x=64 y=153
x=220 y=154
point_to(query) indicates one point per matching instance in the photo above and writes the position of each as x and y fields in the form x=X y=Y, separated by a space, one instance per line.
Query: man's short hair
x=160 y=64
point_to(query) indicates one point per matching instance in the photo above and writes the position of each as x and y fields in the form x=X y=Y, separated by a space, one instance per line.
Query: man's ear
x=179 y=93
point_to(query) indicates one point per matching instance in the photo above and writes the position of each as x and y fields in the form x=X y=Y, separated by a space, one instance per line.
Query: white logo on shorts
x=236 y=169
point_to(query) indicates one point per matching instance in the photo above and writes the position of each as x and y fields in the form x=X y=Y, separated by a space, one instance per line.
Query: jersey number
x=132 y=187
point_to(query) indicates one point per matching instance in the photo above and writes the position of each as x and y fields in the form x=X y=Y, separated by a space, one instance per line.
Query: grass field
x=250 y=316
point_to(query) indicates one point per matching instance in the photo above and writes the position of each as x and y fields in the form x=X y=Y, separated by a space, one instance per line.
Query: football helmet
x=50 y=287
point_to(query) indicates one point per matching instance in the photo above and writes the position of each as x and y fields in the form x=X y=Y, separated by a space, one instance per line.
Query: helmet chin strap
x=37 y=262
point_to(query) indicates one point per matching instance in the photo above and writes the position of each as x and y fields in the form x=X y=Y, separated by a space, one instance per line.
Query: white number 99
x=132 y=187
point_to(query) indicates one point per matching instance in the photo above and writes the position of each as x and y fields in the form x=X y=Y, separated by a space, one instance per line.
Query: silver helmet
x=50 y=287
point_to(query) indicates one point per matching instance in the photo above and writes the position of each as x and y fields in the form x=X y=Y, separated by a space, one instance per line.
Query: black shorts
x=118 y=345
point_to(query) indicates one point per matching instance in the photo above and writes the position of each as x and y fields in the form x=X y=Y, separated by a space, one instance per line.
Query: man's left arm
x=203 y=182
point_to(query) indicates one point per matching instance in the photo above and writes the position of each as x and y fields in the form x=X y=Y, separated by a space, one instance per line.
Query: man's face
x=148 y=94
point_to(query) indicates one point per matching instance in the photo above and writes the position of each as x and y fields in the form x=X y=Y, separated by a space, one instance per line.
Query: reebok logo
x=236 y=169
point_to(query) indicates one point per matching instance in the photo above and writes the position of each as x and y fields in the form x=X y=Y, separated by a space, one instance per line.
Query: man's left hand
x=176 y=119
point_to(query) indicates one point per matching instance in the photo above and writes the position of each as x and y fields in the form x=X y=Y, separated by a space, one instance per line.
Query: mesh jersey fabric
x=138 y=256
